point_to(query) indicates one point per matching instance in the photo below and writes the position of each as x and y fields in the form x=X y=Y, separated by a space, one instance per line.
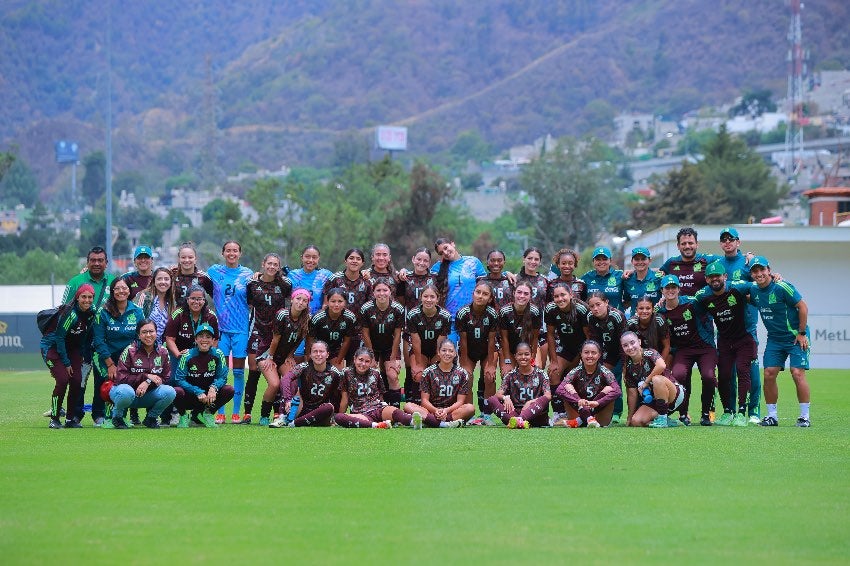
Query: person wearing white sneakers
x=589 y=390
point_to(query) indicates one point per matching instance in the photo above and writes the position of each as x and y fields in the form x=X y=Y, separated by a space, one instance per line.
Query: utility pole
x=794 y=99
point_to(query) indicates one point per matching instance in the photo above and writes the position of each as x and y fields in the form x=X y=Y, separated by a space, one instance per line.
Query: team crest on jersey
x=157 y=360
x=676 y=268
x=771 y=299
x=536 y=381
x=736 y=274
x=132 y=318
x=438 y=324
x=361 y=287
x=277 y=288
x=193 y=367
x=371 y=380
x=211 y=365
x=612 y=281
x=687 y=315
x=455 y=380
x=596 y=380
x=697 y=267
x=139 y=362
x=711 y=305
x=732 y=301
x=646 y=366
x=328 y=380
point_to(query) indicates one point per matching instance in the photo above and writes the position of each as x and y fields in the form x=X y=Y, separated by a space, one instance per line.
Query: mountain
x=282 y=80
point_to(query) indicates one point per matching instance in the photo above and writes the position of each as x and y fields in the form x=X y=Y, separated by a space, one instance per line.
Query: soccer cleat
x=99 y=421
x=457 y=423
x=705 y=420
x=573 y=423
x=49 y=413
x=593 y=423
x=55 y=423
x=175 y=419
x=769 y=421
x=685 y=420
x=183 y=421
x=134 y=417
x=803 y=422
x=151 y=422
x=659 y=421
x=383 y=424
x=754 y=419
x=119 y=423
x=279 y=422
x=72 y=423
x=488 y=420
x=475 y=421
x=417 y=421
x=673 y=423
x=247 y=419
x=219 y=419
x=515 y=422
x=739 y=420
x=725 y=419
x=195 y=420
x=208 y=420
x=615 y=420
x=264 y=421
x=235 y=418
x=711 y=416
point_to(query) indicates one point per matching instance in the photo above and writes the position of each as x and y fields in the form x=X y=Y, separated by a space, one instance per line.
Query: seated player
x=315 y=383
x=201 y=381
x=363 y=389
x=522 y=401
x=445 y=392
x=651 y=391
x=589 y=390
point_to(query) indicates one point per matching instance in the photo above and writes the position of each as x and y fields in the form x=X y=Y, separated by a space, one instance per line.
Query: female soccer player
x=185 y=320
x=201 y=380
x=566 y=331
x=503 y=288
x=529 y=273
x=382 y=320
x=589 y=390
x=186 y=274
x=478 y=324
x=641 y=282
x=316 y=383
x=141 y=277
x=456 y=275
x=230 y=296
x=266 y=296
x=445 y=388
x=651 y=391
x=363 y=390
x=426 y=324
x=522 y=401
x=114 y=329
x=142 y=377
x=518 y=322
x=356 y=286
x=410 y=288
x=290 y=328
x=382 y=268
x=63 y=348
x=566 y=262
x=651 y=328
x=157 y=301
x=334 y=325
x=312 y=278
x=605 y=279
x=606 y=324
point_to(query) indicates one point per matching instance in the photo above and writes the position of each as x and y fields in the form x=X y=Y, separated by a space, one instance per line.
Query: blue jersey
x=634 y=288
x=610 y=284
x=313 y=281
x=776 y=306
x=230 y=296
x=463 y=273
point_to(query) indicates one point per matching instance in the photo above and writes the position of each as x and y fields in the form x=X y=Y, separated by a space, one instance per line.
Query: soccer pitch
x=248 y=494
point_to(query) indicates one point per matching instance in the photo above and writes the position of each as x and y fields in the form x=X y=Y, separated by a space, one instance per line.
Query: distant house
x=624 y=124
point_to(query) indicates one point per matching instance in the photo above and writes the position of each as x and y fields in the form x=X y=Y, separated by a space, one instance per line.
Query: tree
x=469 y=145
x=754 y=103
x=221 y=211
x=682 y=197
x=18 y=185
x=94 y=179
x=350 y=149
x=571 y=197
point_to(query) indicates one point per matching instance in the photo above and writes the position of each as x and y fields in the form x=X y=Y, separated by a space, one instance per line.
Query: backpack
x=44 y=319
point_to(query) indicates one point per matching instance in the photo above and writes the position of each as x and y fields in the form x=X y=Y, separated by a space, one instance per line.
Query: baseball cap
x=602 y=250
x=759 y=260
x=715 y=268
x=641 y=251
x=204 y=327
x=670 y=280
x=731 y=231
x=142 y=250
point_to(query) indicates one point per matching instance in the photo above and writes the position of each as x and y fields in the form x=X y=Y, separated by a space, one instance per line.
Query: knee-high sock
x=350 y=421
x=320 y=414
x=251 y=390
x=401 y=417
x=238 y=389
x=393 y=397
x=534 y=408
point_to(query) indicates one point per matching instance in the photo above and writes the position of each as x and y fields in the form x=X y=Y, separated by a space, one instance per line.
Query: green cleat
x=673 y=423
x=183 y=422
x=725 y=419
x=207 y=420
x=739 y=420
x=659 y=422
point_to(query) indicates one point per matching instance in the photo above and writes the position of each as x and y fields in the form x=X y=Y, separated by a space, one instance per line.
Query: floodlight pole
x=108 y=168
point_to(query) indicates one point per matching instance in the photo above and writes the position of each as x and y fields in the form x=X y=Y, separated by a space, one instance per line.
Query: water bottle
x=293 y=408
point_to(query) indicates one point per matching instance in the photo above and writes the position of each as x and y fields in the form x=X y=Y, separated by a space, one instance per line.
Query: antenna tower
x=794 y=100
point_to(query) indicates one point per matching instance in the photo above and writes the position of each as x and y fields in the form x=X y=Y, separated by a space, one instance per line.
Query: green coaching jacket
x=101 y=288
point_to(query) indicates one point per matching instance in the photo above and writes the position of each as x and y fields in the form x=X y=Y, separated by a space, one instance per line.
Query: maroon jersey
x=688 y=324
x=589 y=386
x=539 y=289
x=518 y=326
x=607 y=332
x=660 y=324
x=136 y=282
x=135 y=363
x=634 y=373
x=314 y=386
x=569 y=327
x=265 y=300
x=691 y=274
x=365 y=391
x=181 y=326
x=577 y=286
x=356 y=292
x=478 y=327
x=522 y=388
x=373 y=277
x=411 y=289
x=429 y=328
x=382 y=324
x=729 y=311
x=443 y=387
x=184 y=283
x=290 y=334
x=333 y=332
x=503 y=291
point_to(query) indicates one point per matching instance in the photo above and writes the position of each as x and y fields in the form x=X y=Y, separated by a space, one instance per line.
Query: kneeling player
x=444 y=390
x=589 y=390
x=651 y=391
x=523 y=398
x=315 y=383
x=363 y=390
x=201 y=380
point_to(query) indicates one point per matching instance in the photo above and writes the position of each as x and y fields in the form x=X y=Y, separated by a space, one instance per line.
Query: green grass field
x=249 y=494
